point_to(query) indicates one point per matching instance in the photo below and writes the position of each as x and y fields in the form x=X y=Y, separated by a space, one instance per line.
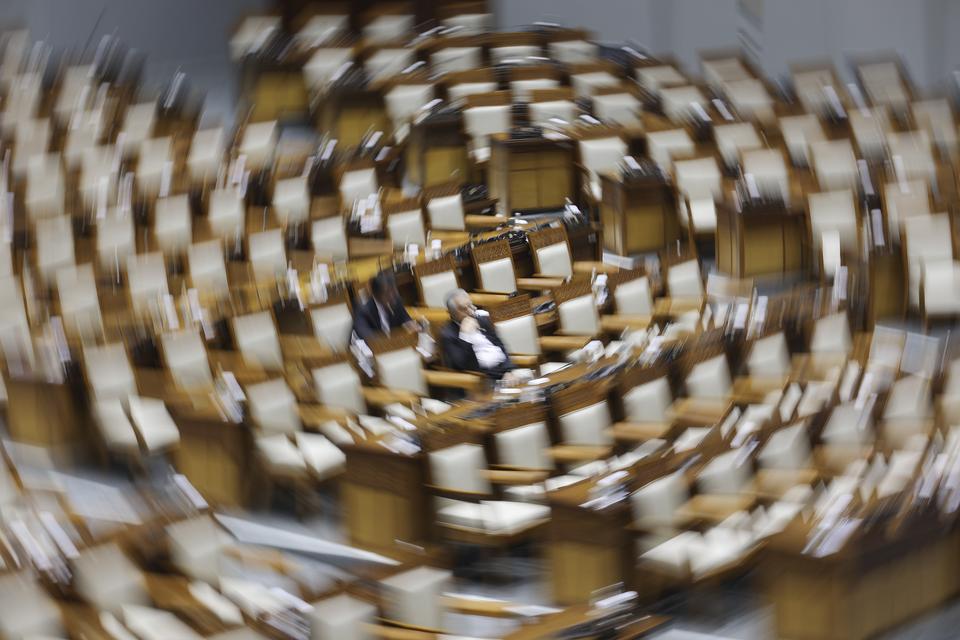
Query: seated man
x=470 y=342
x=383 y=312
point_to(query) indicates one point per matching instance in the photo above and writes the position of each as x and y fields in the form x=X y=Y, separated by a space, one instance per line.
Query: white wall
x=921 y=31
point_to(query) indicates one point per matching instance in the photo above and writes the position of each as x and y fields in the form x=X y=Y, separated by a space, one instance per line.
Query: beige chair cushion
x=405 y=100
x=936 y=118
x=587 y=426
x=106 y=578
x=678 y=101
x=573 y=51
x=848 y=425
x=709 y=379
x=146 y=278
x=831 y=334
x=658 y=76
x=470 y=24
x=320 y=69
x=579 y=316
x=108 y=371
x=333 y=324
x=834 y=211
x=460 y=91
x=769 y=357
x=788 y=448
x=402 y=370
x=482 y=122
x=329 y=237
x=648 y=402
x=196 y=546
x=172 y=224
x=521 y=89
x=115 y=428
x=633 y=297
x=519 y=335
x=497 y=276
x=799 y=132
x=517 y=52
x=584 y=84
x=273 y=407
x=321 y=29
x=731 y=139
x=446 y=213
x=835 y=164
x=55 y=249
x=721 y=71
x=664 y=146
x=206 y=151
x=601 y=155
x=341 y=617
x=524 y=447
x=453 y=59
x=388 y=27
x=750 y=98
x=115 y=242
x=870 y=128
x=258 y=143
x=914 y=150
x=256 y=338
x=25 y=608
x=323 y=458
x=928 y=242
x=542 y=112
x=655 y=503
x=267 y=253
x=684 y=281
x=44 y=195
x=153 y=423
x=769 y=171
x=810 y=87
x=941 y=288
x=155 y=624
x=459 y=468
x=699 y=177
x=413 y=597
x=32 y=138
x=252 y=34
x=357 y=185
x=208 y=272
x=436 y=287
x=406 y=228
x=883 y=84
x=727 y=473
x=387 y=63
x=338 y=386
x=137 y=126
x=79 y=302
x=554 y=260
x=291 y=200
x=186 y=358
x=226 y=212
x=619 y=108
x=904 y=200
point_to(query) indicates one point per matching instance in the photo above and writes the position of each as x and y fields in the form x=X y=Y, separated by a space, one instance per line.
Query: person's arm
x=362 y=324
x=401 y=318
x=457 y=353
x=491 y=332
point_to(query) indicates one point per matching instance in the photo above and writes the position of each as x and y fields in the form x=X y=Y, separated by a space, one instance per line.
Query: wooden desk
x=49 y=414
x=638 y=215
x=436 y=150
x=351 y=112
x=533 y=174
x=760 y=241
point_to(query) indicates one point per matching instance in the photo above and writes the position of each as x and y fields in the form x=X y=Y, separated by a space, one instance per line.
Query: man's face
x=463 y=308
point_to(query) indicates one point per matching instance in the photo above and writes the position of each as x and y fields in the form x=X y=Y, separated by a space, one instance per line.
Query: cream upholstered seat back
x=413 y=597
x=470 y=24
x=768 y=169
x=322 y=29
x=258 y=143
x=106 y=578
x=835 y=164
x=928 y=241
x=883 y=84
x=454 y=59
x=256 y=338
x=799 y=132
x=833 y=211
x=115 y=242
x=291 y=200
x=787 y=448
x=388 y=27
x=208 y=271
x=913 y=151
x=31 y=138
x=656 y=502
x=769 y=356
x=342 y=617
x=79 y=302
x=206 y=150
x=541 y=113
x=273 y=407
x=664 y=147
x=709 y=379
x=731 y=139
x=699 y=177
x=684 y=280
x=935 y=117
x=554 y=260
x=601 y=155
x=481 y=122
x=173 y=223
x=870 y=128
x=108 y=371
x=357 y=184
x=461 y=90
x=138 y=126
x=587 y=425
x=154 y=425
x=903 y=200
x=831 y=334
x=26 y=610
x=329 y=237
x=388 y=62
x=45 y=190
x=332 y=324
x=749 y=96
x=519 y=335
x=186 y=358
x=633 y=297
x=338 y=386
x=584 y=84
x=446 y=213
x=402 y=369
x=728 y=473
x=518 y=52
x=406 y=228
x=648 y=402
x=149 y=623
x=941 y=288
x=523 y=89
x=524 y=447
x=579 y=316
x=655 y=77
x=405 y=100
x=497 y=276
x=226 y=213
x=55 y=250
x=814 y=87
x=573 y=51
x=267 y=253
x=619 y=108
x=146 y=279
x=459 y=468
x=678 y=102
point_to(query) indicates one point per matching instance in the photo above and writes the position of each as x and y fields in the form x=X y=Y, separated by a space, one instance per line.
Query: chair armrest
x=641 y=431
x=298 y=347
x=480 y=222
x=379 y=397
x=539 y=283
x=524 y=360
x=455 y=380
x=563 y=343
x=384 y=632
x=588 y=266
x=752 y=390
x=484 y=298
x=514 y=476
x=245 y=372
x=668 y=307
x=434 y=315
x=698 y=411
x=713 y=507
x=771 y=484
x=485 y=607
x=314 y=416
x=567 y=453
x=616 y=323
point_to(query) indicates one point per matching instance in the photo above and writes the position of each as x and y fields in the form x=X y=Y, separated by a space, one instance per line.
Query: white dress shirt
x=488 y=354
x=384 y=318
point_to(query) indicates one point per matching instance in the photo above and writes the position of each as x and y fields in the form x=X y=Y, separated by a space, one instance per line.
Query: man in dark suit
x=470 y=342
x=383 y=312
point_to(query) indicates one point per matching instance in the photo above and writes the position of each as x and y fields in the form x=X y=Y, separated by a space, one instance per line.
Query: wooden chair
x=577 y=313
x=332 y=322
x=585 y=78
x=404 y=223
x=79 y=303
x=526 y=79
x=932 y=270
x=553 y=259
x=700 y=185
x=646 y=398
x=632 y=298
x=399 y=370
x=617 y=105
x=835 y=164
x=665 y=146
x=435 y=280
x=447 y=212
x=460 y=85
x=799 y=132
x=601 y=150
x=732 y=139
x=483 y=116
x=584 y=422
x=517 y=328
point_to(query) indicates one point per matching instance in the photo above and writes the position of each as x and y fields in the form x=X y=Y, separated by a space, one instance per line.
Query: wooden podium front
x=638 y=214
x=532 y=174
x=436 y=151
x=763 y=240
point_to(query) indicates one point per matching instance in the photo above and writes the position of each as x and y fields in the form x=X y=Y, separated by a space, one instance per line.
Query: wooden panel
x=763 y=250
x=645 y=228
x=443 y=164
x=48 y=415
x=555 y=186
x=523 y=188
x=579 y=569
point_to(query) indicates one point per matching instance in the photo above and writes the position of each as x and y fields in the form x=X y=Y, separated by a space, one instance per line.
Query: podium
x=759 y=240
x=638 y=214
x=436 y=150
x=532 y=174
